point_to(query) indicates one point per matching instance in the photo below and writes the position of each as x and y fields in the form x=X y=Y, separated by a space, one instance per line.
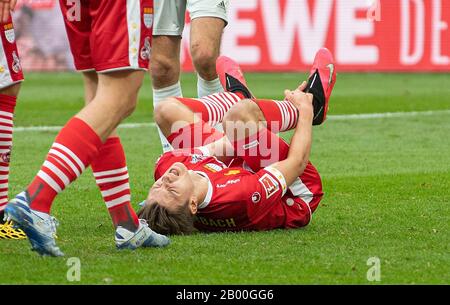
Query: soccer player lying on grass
x=246 y=178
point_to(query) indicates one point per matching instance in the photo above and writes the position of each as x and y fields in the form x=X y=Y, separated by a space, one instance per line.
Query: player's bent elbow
x=300 y=166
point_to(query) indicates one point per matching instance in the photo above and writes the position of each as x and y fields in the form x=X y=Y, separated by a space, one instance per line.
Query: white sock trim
x=208 y=87
x=163 y=93
x=158 y=96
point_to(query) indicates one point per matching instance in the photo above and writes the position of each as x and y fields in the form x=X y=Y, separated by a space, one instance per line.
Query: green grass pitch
x=386 y=183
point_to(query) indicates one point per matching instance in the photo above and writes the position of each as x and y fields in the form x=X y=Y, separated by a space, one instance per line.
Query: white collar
x=209 y=193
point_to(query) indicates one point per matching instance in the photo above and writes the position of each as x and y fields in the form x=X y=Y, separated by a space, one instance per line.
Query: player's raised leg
x=283 y=114
x=264 y=117
x=186 y=122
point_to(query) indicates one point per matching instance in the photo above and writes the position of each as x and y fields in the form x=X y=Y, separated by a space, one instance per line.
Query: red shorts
x=10 y=68
x=109 y=35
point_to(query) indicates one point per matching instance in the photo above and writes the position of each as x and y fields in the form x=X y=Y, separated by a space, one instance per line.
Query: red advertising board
x=364 y=35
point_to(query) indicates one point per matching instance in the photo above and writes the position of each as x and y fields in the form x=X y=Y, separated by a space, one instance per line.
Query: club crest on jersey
x=196 y=158
x=269 y=184
x=148 y=17
x=9 y=32
x=256 y=197
x=16 y=67
x=146 y=49
x=212 y=167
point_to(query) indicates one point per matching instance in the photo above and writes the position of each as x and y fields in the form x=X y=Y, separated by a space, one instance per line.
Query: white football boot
x=143 y=237
x=39 y=227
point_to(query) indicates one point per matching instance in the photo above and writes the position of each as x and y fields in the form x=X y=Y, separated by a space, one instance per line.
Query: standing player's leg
x=10 y=78
x=165 y=57
x=81 y=139
x=8 y=98
x=75 y=147
x=205 y=37
x=110 y=170
x=208 y=20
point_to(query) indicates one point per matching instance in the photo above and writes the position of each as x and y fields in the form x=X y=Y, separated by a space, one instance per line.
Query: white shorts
x=170 y=14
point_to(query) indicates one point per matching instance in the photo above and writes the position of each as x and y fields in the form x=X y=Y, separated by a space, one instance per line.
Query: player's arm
x=6 y=6
x=300 y=146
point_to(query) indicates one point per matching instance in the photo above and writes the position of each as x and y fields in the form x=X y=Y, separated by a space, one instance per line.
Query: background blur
x=283 y=35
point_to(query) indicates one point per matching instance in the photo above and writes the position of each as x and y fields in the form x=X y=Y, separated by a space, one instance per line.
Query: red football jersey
x=239 y=199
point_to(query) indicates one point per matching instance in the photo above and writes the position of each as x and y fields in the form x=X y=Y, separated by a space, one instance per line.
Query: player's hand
x=298 y=98
x=6 y=6
x=303 y=86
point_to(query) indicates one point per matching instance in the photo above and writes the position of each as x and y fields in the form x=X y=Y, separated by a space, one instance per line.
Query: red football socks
x=280 y=115
x=212 y=108
x=111 y=175
x=73 y=150
x=7 y=106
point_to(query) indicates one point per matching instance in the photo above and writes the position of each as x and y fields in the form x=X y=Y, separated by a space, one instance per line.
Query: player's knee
x=163 y=112
x=11 y=90
x=240 y=112
x=130 y=97
x=163 y=70
x=128 y=108
x=128 y=102
x=204 y=60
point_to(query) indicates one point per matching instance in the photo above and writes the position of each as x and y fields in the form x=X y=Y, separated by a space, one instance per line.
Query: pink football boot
x=231 y=77
x=320 y=83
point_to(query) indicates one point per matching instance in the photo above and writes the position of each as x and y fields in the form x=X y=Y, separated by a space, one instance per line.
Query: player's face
x=174 y=189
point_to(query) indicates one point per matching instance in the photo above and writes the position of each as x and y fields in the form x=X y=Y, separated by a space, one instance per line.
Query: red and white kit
x=109 y=35
x=240 y=199
x=10 y=68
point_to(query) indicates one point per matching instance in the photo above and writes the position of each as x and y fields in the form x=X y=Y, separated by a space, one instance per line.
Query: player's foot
x=231 y=76
x=143 y=237
x=39 y=227
x=320 y=83
x=8 y=231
